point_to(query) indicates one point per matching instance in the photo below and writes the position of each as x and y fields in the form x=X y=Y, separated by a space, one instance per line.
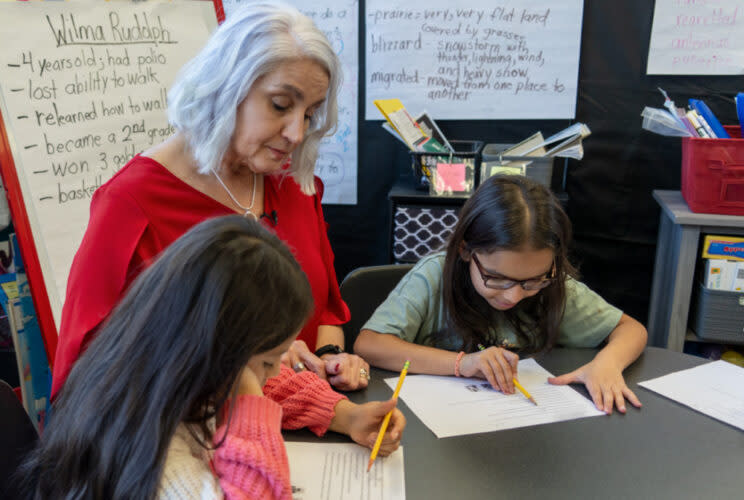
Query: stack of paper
x=715 y=389
x=567 y=144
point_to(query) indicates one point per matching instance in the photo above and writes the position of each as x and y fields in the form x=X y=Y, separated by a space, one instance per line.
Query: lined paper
x=324 y=471
x=452 y=406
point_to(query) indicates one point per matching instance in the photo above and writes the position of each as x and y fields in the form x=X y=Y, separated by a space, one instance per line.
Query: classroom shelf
x=680 y=231
x=690 y=336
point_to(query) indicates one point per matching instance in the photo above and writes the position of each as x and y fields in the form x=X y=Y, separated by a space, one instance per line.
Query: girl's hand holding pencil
x=377 y=446
x=362 y=422
x=495 y=364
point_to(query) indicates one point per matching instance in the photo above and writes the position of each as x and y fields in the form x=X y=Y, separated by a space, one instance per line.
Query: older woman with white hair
x=249 y=112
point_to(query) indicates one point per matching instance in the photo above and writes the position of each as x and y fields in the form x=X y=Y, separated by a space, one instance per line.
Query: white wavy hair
x=252 y=42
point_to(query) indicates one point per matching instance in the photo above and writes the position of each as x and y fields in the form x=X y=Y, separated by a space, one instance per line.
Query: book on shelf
x=709 y=118
x=34 y=373
x=417 y=136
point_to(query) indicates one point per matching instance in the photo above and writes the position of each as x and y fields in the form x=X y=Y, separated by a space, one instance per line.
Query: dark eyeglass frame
x=529 y=285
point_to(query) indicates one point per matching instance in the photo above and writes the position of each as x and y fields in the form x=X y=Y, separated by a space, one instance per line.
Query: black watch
x=328 y=349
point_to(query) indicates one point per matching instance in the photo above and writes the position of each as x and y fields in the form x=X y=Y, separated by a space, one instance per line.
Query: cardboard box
x=738 y=285
x=723 y=247
x=719 y=274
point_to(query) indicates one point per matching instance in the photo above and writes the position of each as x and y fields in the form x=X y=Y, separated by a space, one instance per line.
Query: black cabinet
x=420 y=223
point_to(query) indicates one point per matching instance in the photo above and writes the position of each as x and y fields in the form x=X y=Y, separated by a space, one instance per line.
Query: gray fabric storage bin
x=718 y=315
x=537 y=168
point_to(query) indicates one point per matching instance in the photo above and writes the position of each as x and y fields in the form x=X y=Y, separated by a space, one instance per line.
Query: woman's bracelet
x=457 y=363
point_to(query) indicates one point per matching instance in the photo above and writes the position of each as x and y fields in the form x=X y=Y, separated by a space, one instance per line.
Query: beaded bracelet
x=457 y=363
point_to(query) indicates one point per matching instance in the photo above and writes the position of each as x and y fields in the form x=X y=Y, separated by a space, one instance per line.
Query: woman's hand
x=299 y=358
x=362 y=423
x=605 y=384
x=495 y=364
x=346 y=372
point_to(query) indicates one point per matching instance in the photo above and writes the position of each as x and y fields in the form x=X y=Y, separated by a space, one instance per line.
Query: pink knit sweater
x=251 y=462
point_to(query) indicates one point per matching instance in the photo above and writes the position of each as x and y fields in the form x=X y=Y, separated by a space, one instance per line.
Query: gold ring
x=364 y=373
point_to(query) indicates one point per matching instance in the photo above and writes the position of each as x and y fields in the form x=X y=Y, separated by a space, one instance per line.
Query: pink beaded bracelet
x=457 y=363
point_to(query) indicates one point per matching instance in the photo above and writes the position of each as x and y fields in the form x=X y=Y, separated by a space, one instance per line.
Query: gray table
x=676 y=255
x=664 y=450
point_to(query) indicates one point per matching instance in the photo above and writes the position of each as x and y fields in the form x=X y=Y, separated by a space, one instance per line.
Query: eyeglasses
x=529 y=285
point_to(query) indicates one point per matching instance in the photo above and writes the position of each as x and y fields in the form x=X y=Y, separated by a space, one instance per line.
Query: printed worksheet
x=451 y=406
x=715 y=389
x=323 y=471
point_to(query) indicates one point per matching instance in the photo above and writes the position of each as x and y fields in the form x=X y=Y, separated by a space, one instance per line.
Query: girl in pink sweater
x=183 y=394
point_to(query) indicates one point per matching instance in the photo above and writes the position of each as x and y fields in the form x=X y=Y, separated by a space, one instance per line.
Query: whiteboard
x=82 y=90
x=337 y=158
x=697 y=37
x=474 y=59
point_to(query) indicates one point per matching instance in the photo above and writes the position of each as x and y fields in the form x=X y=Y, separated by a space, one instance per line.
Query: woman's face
x=517 y=265
x=266 y=364
x=273 y=118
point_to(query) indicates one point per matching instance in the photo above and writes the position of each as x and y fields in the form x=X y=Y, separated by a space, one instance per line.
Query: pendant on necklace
x=251 y=214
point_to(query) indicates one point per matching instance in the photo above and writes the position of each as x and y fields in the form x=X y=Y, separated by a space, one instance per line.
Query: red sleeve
x=306 y=400
x=336 y=311
x=252 y=462
x=99 y=274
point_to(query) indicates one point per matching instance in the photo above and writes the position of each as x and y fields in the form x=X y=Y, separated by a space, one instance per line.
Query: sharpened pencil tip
x=369 y=465
x=533 y=401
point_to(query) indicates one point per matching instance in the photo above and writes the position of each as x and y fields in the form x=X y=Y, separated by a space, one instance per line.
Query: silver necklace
x=247 y=209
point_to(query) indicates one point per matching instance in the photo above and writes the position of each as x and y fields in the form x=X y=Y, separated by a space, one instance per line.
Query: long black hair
x=169 y=353
x=507 y=213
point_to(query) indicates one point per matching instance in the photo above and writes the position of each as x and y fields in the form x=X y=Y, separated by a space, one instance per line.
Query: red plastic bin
x=713 y=173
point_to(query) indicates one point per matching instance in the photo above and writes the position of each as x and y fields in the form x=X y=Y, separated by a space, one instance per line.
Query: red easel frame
x=27 y=245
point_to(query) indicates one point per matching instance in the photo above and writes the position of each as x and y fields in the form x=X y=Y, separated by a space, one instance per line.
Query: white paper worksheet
x=452 y=406
x=323 y=471
x=715 y=389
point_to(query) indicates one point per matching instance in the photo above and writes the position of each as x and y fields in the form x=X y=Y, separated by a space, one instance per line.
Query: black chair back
x=363 y=290
x=17 y=437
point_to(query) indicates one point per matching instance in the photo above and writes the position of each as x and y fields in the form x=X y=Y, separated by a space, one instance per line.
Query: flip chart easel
x=83 y=89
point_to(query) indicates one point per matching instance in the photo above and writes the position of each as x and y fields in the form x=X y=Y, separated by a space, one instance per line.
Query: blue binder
x=704 y=111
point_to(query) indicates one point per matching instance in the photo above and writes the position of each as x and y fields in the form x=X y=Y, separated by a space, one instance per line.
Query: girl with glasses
x=503 y=287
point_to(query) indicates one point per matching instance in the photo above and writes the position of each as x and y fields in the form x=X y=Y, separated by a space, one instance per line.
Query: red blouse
x=142 y=210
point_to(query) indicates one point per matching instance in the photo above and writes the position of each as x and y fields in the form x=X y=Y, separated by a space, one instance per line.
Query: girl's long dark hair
x=169 y=353
x=507 y=213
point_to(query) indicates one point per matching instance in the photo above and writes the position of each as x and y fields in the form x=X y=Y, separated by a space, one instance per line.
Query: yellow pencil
x=523 y=391
x=516 y=384
x=386 y=420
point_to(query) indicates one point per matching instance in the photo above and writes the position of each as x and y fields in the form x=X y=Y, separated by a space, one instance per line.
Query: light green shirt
x=415 y=309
